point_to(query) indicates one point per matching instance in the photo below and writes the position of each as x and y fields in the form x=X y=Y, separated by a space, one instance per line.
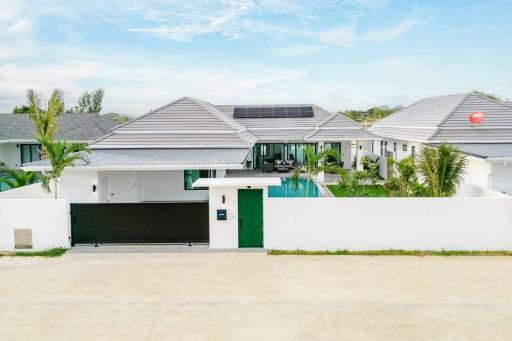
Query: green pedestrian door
x=250 y=218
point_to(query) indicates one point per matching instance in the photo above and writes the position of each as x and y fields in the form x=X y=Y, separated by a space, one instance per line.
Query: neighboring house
x=434 y=120
x=157 y=157
x=17 y=137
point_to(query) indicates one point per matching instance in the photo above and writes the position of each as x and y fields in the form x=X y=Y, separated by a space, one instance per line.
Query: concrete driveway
x=252 y=296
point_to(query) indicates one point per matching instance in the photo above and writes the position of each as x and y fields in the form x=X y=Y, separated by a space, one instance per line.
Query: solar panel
x=306 y=111
x=272 y=112
x=267 y=112
x=240 y=113
x=253 y=112
x=279 y=112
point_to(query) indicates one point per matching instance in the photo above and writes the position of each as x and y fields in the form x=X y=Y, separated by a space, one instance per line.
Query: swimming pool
x=286 y=189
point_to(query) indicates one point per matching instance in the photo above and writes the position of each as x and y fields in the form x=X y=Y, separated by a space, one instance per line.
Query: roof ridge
x=452 y=111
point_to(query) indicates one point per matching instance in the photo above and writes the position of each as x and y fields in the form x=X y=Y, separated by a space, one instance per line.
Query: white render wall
x=224 y=233
x=477 y=172
x=48 y=219
x=394 y=223
x=501 y=178
x=10 y=154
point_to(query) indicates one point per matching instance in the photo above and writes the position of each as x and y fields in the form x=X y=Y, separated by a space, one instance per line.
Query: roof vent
x=476 y=117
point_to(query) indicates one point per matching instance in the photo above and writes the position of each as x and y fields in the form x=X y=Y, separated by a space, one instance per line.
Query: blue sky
x=339 y=54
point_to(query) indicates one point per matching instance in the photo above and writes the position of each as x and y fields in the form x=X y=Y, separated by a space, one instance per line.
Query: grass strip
x=55 y=252
x=419 y=253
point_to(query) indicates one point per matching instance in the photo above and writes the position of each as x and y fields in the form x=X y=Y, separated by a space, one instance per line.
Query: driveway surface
x=252 y=296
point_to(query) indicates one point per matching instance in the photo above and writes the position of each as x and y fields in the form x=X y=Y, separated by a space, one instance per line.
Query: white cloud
x=20 y=26
x=299 y=50
x=137 y=87
x=347 y=36
x=191 y=24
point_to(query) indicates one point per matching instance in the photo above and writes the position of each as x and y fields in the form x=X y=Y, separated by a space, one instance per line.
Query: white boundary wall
x=388 y=223
x=48 y=218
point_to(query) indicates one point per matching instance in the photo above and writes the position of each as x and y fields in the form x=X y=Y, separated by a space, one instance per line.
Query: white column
x=321 y=176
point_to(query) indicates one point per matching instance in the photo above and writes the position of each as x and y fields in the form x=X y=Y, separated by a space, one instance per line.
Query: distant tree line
x=88 y=102
x=370 y=115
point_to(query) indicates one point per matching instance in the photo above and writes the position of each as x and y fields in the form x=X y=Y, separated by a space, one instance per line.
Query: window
x=30 y=153
x=192 y=175
x=413 y=151
x=381 y=148
x=404 y=147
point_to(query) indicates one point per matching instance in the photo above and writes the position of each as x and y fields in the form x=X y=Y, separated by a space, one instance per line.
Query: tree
x=89 y=102
x=442 y=169
x=314 y=164
x=45 y=121
x=61 y=155
x=118 y=117
x=24 y=109
x=488 y=95
x=406 y=176
x=17 y=178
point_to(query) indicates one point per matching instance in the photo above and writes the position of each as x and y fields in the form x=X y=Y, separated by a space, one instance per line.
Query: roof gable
x=496 y=113
x=428 y=112
x=187 y=122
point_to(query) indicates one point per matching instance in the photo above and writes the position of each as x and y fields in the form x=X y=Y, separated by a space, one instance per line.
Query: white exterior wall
x=477 y=172
x=168 y=186
x=224 y=233
x=137 y=186
x=395 y=223
x=501 y=178
x=400 y=153
x=47 y=218
x=10 y=154
x=77 y=186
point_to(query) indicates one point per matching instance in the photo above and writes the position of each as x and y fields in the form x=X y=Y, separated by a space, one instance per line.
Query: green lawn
x=388 y=253
x=371 y=191
x=55 y=252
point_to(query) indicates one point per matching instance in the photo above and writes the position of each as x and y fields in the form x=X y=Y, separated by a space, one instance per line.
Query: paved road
x=251 y=296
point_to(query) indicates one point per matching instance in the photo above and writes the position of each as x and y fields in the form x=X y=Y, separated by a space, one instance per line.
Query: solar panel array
x=272 y=112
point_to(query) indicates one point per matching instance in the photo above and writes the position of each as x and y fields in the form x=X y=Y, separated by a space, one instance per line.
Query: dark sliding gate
x=139 y=223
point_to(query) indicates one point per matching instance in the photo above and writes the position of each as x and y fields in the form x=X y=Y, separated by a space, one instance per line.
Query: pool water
x=286 y=189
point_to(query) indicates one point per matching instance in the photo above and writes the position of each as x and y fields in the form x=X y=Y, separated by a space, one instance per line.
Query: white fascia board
x=36 y=142
x=231 y=146
x=470 y=141
x=130 y=168
x=499 y=159
x=237 y=182
x=475 y=126
x=177 y=132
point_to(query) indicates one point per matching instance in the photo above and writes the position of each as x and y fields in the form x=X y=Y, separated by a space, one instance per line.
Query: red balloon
x=476 y=117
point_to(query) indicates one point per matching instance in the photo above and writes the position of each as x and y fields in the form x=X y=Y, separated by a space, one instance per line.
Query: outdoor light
x=223 y=199
x=94 y=188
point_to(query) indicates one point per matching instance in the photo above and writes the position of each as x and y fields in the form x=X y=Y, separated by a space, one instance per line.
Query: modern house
x=18 y=144
x=478 y=126
x=158 y=156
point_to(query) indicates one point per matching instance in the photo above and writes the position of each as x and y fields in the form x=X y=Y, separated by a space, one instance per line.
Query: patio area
x=330 y=178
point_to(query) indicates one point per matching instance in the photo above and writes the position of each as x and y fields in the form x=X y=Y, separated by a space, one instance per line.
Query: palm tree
x=45 y=121
x=442 y=169
x=406 y=176
x=17 y=178
x=314 y=164
x=61 y=155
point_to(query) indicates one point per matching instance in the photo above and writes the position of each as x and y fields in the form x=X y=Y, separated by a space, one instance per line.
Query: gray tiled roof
x=186 y=122
x=486 y=150
x=72 y=127
x=446 y=118
x=190 y=122
x=133 y=158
